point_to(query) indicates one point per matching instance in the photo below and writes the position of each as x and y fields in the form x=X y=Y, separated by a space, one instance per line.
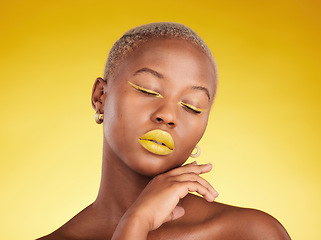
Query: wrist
x=131 y=226
x=137 y=219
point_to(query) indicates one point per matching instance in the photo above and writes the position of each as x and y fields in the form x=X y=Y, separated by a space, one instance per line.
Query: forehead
x=175 y=59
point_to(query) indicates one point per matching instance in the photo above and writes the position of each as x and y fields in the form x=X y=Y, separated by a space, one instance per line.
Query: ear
x=99 y=94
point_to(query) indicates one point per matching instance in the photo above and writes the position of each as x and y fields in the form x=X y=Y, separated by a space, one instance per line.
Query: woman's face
x=166 y=85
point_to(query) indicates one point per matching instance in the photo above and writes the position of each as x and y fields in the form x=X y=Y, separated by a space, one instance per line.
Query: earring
x=99 y=118
x=198 y=152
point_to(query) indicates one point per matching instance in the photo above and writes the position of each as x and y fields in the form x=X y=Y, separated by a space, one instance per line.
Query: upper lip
x=160 y=137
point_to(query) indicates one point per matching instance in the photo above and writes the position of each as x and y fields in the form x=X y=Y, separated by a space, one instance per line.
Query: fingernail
x=208 y=166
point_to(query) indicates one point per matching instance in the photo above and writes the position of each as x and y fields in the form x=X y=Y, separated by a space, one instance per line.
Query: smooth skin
x=148 y=196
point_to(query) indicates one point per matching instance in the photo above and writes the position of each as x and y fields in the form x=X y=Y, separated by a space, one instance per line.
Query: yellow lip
x=158 y=142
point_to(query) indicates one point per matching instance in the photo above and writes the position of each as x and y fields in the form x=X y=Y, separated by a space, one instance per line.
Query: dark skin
x=144 y=195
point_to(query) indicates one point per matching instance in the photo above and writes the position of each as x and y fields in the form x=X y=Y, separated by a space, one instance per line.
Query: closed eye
x=145 y=91
x=191 y=107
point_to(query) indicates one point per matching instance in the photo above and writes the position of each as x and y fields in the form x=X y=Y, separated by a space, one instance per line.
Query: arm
x=131 y=227
x=158 y=202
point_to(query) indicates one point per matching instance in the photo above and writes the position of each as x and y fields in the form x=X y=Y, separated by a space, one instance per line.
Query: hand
x=157 y=203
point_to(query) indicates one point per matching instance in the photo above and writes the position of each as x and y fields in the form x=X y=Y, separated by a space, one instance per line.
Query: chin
x=154 y=165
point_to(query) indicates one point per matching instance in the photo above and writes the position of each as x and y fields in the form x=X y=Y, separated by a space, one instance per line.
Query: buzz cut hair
x=133 y=38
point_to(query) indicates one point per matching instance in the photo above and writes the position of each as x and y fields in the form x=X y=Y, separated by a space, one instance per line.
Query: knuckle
x=194 y=175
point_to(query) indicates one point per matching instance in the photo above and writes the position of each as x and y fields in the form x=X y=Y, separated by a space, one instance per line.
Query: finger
x=192 y=163
x=193 y=186
x=198 y=169
x=175 y=214
x=200 y=189
x=194 y=177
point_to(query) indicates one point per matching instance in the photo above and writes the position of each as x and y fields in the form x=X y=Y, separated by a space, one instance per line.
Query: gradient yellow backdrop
x=264 y=132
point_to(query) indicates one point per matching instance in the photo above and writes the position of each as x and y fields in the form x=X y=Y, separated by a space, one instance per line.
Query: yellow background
x=264 y=132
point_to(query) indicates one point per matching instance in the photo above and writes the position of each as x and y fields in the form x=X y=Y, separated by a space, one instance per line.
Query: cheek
x=194 y=127
x=190 y=133
x=122 y=117
x=114 y=122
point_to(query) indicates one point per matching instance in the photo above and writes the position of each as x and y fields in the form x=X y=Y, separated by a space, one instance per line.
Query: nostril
x=161 y=120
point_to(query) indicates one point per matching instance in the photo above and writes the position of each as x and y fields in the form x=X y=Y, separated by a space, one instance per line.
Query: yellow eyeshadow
x=144 y=90
x=192 y=107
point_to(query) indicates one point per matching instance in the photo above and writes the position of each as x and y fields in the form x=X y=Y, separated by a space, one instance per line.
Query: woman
x=154 y=101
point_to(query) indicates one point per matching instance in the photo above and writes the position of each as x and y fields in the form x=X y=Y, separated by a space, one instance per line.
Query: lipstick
x=158 y=142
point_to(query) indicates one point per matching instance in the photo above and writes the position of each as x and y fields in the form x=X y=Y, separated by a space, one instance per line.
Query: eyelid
x=195 y=109
x=144 y=90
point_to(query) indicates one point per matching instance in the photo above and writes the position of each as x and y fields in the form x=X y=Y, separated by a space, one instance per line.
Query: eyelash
x=195 y=111
x=156 y=94
x=149 y=93
x=191 y=107
x=145 y=91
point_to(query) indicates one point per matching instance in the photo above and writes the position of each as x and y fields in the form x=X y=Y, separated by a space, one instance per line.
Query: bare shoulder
x=87 y=224
x=252 y=224
x=223 y=221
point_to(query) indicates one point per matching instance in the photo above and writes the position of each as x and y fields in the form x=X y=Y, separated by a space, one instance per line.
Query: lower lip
x=155 y=147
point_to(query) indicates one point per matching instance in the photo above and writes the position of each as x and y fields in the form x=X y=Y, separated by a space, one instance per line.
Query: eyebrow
x=203 y=89
x=148 y=70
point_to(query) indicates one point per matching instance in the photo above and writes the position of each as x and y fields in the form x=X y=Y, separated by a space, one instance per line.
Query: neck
x=119 y=187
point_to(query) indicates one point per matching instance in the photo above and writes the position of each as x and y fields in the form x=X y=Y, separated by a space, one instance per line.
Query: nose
x=165 y=115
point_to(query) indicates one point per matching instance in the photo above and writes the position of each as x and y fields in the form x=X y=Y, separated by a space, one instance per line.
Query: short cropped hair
x=138 y=35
